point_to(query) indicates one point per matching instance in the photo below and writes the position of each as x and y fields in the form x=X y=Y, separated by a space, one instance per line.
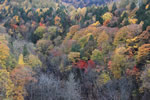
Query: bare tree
x=49 y=87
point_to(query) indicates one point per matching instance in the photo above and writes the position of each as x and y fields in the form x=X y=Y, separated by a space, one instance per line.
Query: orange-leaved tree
x=143 y=53
x=21 y=75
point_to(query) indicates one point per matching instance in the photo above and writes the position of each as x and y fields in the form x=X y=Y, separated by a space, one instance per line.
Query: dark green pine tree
x=25 y=50
x=75 y=47
x=114 y=7
x=133 y=5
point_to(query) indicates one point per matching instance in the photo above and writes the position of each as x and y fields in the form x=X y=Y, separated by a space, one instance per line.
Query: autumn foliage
x=4 y=53
x=81 y=64
x=70 y=50
x=6 y=85
x=20 y=76
x=144 y=53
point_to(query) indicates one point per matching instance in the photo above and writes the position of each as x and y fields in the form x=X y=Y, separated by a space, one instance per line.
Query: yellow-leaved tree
x=103 y=37
x=118 y=62
x=147 y=6
x=20 y=60
x=97 y=56
x=82 y=11
x=74 y=56
x=133 y=21
x=97 y=23
x=33 y=61
x=4 y=53
x=103 y=78
x=6 y=85
x=107 y=16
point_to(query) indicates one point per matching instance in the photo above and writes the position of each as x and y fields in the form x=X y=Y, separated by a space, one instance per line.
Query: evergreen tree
x=132 y=6
x=25 y=50
x=114 y=7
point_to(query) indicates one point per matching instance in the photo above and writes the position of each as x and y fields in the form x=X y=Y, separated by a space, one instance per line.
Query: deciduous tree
x=4 y=54
x=143 y=53
x=97 y=56
x=6 y=85
x=21 y=60
x=20 y=76
x=74 y=56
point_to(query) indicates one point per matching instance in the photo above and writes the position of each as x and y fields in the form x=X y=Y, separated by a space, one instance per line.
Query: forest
x=74 y=49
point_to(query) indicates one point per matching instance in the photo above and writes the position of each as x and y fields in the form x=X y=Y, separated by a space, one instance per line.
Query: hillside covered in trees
x=84 y=3
x=74 y=50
